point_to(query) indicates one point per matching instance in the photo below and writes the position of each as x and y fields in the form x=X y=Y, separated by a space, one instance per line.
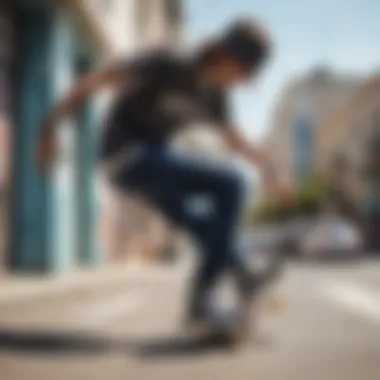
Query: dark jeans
x=175 y=183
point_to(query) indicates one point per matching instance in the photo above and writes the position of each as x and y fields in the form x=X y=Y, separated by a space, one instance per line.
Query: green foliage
x=309 y=198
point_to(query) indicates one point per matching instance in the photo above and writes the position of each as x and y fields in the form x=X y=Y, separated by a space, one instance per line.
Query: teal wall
x=53 y=219
x=88 y=253
x=31 y=192
x=63 y=222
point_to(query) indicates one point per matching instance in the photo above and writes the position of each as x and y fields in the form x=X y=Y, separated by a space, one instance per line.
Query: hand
x=46 y=152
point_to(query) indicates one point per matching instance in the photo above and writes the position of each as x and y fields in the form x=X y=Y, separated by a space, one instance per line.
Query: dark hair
x=210 y=52
x=246 y=41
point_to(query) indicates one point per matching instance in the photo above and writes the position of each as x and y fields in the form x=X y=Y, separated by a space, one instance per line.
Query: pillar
x=43 y=223
x=88 y=252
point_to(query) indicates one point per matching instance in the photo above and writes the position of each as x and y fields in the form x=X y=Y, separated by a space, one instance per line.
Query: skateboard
x=225 y=338
x=230 y=331
x=236 y=331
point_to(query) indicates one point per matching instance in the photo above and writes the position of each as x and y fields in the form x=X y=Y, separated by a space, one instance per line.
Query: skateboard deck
x=236 y=331
x=219 y=337
x=231 y=332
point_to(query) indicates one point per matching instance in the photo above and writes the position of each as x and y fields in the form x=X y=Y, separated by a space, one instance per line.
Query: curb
x=19 y=289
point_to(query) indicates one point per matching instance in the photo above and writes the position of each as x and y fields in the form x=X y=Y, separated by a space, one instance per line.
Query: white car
x=332 y=237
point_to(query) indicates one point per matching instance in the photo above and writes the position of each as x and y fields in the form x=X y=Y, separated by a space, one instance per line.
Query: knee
x=233 y=187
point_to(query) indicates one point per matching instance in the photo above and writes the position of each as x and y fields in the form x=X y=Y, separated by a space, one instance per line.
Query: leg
x=170 y=181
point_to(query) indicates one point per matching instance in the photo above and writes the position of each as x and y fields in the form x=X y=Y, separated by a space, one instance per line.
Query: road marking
x=105 y=311
x=355 y=299
x=18 y=290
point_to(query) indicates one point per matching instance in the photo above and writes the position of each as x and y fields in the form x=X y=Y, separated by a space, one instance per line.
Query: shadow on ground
x=69 y=343
x=170 y=347
x=51 y=343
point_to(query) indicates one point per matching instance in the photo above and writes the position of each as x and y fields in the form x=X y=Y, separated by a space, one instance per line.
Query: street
x=330 y=329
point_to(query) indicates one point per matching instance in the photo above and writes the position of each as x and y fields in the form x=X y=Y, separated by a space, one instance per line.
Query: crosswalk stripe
x=355 y=299
x=105 y=311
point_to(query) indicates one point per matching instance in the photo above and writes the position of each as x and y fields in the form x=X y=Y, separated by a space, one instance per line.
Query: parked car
x=260 y=247
x=332 y=238
x=292 y=235
x=265 y=238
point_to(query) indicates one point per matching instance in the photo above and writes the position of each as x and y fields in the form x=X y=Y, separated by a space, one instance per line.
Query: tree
x=310 y=197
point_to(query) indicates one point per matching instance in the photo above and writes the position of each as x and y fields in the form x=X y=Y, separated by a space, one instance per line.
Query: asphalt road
x=329 y=330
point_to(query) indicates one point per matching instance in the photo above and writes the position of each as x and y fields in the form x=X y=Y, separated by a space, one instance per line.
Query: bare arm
x=89 y=84
x=256 y=155
x=85 y=87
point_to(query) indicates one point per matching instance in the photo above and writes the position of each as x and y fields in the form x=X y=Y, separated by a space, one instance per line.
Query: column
x=88 y=253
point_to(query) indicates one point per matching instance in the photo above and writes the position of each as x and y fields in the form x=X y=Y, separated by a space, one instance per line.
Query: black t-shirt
x=163 y=94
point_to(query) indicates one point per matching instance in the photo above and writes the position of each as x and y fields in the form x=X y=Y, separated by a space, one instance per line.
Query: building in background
x=44 y=46
x=159 y=22
x=349 y=143
x=302 y=107
x=121 y=26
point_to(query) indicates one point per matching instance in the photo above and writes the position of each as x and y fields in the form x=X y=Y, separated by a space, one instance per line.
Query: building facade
x=294 y=130
x=44 y=49
x=349 y=146
x=45 y=45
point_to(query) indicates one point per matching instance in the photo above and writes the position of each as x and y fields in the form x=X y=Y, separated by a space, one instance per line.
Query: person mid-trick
x=158 y=94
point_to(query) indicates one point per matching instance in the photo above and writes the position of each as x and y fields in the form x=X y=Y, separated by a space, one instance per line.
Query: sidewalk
x=19 y=288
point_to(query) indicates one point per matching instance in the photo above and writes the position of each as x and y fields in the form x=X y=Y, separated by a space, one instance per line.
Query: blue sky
x=344 y=34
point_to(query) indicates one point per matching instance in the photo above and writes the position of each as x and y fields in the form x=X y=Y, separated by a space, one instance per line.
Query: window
x=304 y=147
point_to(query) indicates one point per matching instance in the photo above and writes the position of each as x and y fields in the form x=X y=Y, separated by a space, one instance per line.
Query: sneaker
x=252 y=280
x=214 y=321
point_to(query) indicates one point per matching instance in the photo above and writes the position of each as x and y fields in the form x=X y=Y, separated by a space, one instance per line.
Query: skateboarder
x=158 y=94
